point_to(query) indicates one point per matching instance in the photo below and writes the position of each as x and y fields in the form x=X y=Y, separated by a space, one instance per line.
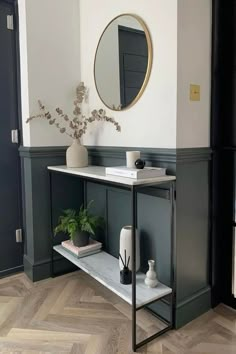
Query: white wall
x=49 y=31
x=58 y=44
x=151 y=122
x=194 y=66
x=24 y=71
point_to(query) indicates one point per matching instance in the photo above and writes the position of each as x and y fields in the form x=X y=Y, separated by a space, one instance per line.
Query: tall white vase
x=76 y=155
x=126 y=244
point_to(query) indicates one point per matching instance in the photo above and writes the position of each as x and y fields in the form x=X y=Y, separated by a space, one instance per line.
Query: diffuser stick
x=128 y=262
x=121 y=259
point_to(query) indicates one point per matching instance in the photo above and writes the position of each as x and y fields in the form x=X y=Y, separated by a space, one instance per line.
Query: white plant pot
x=126 y=244
x=76 y=155
x=151 y=276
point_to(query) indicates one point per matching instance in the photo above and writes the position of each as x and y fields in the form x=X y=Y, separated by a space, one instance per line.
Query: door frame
x=14 y=4
x=221 y=156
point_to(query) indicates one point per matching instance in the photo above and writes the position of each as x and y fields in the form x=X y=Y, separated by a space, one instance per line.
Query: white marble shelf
x=105 y=269
x=98 y=173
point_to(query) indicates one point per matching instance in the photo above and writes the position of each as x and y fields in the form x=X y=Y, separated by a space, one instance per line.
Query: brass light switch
x=194 y=92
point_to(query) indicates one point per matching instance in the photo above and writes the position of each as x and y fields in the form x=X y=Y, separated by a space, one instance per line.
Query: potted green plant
x=79 y=225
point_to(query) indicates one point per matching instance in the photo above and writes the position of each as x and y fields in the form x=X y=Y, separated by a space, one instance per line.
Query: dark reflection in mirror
x=123 y=62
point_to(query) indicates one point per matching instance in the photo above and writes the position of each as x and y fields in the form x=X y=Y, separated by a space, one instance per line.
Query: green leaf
x=88 y=228
x=72 y=221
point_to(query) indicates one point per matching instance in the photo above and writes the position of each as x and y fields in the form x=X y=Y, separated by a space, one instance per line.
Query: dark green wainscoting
x=192 y=169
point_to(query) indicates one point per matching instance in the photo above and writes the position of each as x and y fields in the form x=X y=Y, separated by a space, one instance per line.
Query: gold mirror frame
x=149 y=65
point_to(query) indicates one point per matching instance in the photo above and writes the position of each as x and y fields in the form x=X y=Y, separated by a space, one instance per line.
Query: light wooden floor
x=74 y=314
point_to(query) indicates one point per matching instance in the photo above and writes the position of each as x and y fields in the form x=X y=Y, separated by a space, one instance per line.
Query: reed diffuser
x=125 y=273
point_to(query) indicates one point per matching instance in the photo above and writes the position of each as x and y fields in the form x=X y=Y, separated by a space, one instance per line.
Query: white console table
x=105 y=268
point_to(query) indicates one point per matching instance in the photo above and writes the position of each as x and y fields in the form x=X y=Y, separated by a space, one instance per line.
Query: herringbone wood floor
x=74 y=314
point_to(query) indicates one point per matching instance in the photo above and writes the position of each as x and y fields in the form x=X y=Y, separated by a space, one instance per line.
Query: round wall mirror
x=123 y=62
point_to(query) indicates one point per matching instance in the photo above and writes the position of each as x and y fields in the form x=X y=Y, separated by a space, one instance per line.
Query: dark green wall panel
x=67 y=193
x=97 y=193
x=37 y=231
x=153 y=224
x=191 y=167
x=192 y=228
x=193 y=306
x=118 y=215
x=155 y=234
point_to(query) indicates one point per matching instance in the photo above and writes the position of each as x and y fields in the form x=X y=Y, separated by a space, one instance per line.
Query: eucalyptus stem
x=77 y=126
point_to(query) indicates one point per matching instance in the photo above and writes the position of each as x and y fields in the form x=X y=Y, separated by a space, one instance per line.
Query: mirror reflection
x=123 y=62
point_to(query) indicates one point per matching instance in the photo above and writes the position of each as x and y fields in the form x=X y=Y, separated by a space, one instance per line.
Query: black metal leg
x=170 y=324
x=173 y=254
x=84 y=193
x=51 y=224
x=134 y=223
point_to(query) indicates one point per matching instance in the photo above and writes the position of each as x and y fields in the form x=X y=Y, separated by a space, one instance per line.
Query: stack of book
x=147 y=172
x=79 y=252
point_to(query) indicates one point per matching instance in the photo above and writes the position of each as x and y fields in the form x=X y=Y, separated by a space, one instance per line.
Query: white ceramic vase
x=126 y=244
x=76 y=155
x=151 y=276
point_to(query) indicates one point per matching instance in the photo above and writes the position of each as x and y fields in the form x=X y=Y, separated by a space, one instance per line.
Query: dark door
x=223 y=141
x=10 y=251
x=133 y=51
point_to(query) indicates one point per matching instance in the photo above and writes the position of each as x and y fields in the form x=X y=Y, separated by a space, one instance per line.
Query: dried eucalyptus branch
x=52 y=121
x=77 y=125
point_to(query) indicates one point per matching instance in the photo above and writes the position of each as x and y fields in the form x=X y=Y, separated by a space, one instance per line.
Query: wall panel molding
x=109 y=152
x=191 y=167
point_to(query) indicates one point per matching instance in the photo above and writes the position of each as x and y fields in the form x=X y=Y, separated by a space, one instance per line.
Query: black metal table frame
x=134 y=190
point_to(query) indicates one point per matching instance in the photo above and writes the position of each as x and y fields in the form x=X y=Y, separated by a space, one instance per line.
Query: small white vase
x=76 y=155
x=126 y=244
x=151 y=276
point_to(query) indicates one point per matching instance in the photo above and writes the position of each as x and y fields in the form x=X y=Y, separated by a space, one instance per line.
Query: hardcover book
x=147 y=172
x=91 y=248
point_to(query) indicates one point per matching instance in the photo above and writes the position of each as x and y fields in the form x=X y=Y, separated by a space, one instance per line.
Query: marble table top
x=99 y=173
x=105 y=269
